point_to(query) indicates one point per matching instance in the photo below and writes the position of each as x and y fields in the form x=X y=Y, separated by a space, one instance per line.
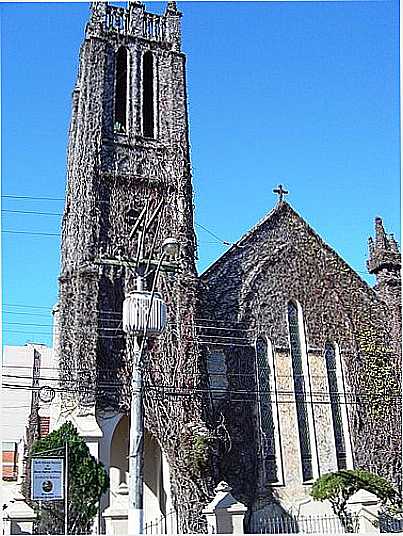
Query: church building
x=278 y=363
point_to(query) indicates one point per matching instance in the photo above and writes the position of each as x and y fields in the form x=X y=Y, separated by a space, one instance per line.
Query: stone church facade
x=322 y=351
x=278 y=363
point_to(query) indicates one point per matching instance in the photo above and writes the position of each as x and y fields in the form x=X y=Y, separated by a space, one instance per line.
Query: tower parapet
x=135 y=22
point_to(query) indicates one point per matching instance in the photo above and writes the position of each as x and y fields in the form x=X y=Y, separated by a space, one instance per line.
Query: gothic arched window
x=267 y=411
x=300 y=393
x=121 y=90
x=340 y=442
x=148 y=95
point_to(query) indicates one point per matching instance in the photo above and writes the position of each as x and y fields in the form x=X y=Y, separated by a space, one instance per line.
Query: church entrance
x=157 y=501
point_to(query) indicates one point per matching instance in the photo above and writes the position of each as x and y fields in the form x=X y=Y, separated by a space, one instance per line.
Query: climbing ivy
x=378 y=373
x=197 y=441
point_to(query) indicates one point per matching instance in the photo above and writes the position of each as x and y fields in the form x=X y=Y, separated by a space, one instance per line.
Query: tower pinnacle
x=171 y=9
x=383 y=251
x=385 y=263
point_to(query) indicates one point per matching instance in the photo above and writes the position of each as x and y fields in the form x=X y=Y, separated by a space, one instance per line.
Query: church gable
x=282 y=259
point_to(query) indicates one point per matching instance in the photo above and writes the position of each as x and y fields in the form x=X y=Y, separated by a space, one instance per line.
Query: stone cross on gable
x=280 y=191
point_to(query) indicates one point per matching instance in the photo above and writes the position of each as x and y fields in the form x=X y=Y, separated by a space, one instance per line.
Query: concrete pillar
x=116 y=515
x=225 y=515
x=19 y=517
x=88 y=428
x=365 y=505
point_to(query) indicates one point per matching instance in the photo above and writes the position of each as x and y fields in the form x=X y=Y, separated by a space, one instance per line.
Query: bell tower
x=128 y=166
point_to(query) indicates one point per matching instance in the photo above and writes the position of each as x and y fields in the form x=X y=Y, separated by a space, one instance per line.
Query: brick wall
x=9 y=460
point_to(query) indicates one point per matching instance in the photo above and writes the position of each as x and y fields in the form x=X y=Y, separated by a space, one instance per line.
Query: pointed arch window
x=300 y=393
x=335 y=404
x=148 y=95
x=121 y=90
x=268 y=411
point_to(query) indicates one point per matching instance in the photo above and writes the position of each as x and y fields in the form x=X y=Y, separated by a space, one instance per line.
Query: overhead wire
x=127 y=382
x=13 y=196
x=167 y=390
x=33 y=233
x=42 y=213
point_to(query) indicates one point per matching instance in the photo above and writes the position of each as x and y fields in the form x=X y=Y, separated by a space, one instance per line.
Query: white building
x=26 y=370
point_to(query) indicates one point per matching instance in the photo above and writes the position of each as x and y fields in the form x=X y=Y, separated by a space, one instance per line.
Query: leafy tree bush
x=87 y=481
x=338 y=487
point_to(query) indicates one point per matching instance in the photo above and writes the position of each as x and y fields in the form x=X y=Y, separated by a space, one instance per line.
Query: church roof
x=280 y=208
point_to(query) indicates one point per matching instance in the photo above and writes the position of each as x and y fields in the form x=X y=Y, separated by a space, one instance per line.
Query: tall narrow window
x=331 y=367
x=217 y=371
x=300 y=393
x=121 y=90
x=268 y=421
x=148 y=95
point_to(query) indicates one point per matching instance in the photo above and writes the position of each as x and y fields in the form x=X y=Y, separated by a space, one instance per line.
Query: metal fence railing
x=164 y=524
x=289 y=524
x=390 y=524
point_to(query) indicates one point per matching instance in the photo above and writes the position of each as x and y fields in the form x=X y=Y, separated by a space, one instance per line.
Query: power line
x=38 y=213
x=33 y=233
x=177 y=391
x=42 y=213
x=27 y=306
x=12 y=196
x=119 y=328
x=25 y=313
x=31 y=212
x=225 y=242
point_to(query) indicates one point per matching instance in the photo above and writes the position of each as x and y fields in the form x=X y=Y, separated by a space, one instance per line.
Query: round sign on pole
x=46 y=394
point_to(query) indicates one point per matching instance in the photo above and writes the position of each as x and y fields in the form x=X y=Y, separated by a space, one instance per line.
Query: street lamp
x=170 y=247
x=144 y=315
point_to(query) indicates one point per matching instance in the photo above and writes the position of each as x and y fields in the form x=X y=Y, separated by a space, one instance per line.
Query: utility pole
x=136 y=444
x=139 y=307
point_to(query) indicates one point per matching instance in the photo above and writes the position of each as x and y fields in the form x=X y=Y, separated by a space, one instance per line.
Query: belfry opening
x=148 y=95
x=121 y=90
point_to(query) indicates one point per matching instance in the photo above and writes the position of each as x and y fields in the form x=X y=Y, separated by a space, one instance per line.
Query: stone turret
x=385 y=262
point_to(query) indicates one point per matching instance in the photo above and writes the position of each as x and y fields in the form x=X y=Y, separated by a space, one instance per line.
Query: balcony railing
x=117 y=20
x=154 y=27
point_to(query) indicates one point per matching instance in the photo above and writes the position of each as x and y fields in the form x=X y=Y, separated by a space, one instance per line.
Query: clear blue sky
x=300 y=93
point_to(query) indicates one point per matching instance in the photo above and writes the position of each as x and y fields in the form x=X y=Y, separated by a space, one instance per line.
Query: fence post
x=116 y=515
x=366 y=506
x=19 y=517
x=225 y=515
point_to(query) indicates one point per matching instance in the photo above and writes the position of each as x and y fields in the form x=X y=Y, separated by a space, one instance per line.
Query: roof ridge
x=275 y=210
x=248 y=233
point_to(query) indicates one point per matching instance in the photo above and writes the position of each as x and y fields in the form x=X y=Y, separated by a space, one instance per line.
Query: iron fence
x=164 y=524
x=390 y=524
x=261 y=523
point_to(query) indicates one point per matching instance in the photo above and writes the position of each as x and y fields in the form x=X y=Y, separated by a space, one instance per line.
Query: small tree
x=338 y=487
x=87 y=481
